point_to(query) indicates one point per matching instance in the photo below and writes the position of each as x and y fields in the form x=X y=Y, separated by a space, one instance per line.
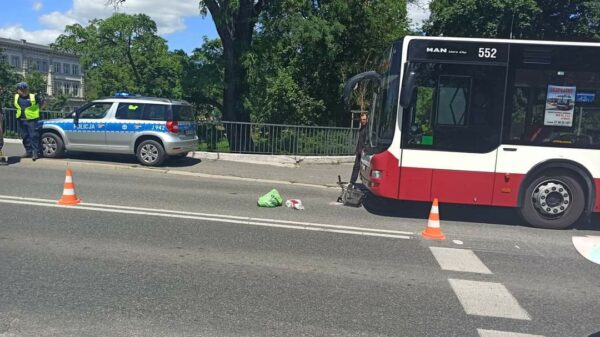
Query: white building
x=63 y=71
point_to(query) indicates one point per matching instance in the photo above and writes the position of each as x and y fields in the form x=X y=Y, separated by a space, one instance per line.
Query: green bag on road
x=271 y=199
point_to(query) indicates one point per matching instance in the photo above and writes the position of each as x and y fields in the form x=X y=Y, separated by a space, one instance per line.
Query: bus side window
x=420 y=128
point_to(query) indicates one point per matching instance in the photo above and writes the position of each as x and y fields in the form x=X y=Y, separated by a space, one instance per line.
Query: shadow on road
x=11 y=160
x=128 y=159
x=453 y=212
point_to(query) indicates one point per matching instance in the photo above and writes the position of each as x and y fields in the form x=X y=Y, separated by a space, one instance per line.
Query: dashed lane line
x=487 y=299
x=463 y=260
x=494 y=333
x=480 y=298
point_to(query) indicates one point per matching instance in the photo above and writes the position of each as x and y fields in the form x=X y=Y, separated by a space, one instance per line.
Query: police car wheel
x=52 y=145
x=150 y=153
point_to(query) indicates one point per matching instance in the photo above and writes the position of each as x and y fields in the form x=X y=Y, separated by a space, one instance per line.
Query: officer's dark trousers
x=1 y=130
x=31 y=135
x=355 y=169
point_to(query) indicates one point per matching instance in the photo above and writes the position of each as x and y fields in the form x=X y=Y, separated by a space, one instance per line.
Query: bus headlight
x=376 y=174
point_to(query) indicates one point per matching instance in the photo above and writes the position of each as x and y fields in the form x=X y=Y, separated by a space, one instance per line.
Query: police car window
x=95 y=111
x=155 y=112
x=183 y=113
x=147 y=112
x=130 y=111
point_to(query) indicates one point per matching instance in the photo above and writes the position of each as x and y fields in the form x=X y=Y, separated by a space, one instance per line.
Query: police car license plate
x=188 y=132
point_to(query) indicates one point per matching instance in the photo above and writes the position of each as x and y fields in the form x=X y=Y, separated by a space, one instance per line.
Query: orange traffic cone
x=69 y=197
x=433 y=230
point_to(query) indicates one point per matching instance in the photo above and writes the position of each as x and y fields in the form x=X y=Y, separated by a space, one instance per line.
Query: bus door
x=451 y=133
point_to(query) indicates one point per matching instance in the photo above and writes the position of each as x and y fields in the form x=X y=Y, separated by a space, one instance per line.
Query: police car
x=151 y=128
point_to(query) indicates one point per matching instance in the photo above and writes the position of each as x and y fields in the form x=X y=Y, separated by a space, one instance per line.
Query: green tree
x=37 y=82
x=235 y=23
x=8 y=79
x=202 y=80
x=305 y=50
x=123 y=52
x=58 y=102
x=529 y=19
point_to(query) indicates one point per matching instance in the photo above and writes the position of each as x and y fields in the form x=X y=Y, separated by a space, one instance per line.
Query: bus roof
x=508 y=41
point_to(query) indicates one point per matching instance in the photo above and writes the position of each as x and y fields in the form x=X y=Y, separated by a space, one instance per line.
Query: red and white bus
x=510 y=123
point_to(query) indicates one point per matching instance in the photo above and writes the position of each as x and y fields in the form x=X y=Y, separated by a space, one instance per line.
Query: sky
x=178 y=21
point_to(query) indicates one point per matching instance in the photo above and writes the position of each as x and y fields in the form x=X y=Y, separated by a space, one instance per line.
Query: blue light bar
x=122 y=94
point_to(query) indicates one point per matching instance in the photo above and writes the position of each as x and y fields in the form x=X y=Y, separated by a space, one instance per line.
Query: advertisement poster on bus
x=560 y=106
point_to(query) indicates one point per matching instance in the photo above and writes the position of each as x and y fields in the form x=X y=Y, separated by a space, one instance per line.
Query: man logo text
x=437 y=50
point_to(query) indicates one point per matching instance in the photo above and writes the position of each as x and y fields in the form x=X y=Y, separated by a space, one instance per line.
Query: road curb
x=60 y=162
x=261 y=159
x=279 y=160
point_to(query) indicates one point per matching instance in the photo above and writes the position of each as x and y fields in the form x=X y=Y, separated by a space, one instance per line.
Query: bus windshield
x=385 y=101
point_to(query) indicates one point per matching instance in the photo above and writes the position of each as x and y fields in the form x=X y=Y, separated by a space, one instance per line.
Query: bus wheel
x=554 y=201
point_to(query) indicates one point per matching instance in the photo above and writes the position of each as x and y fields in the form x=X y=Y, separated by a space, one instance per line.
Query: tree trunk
x=239 y=135
x=235 y=25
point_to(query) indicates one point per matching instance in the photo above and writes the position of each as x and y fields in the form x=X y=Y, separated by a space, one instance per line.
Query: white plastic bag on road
x=294 y=203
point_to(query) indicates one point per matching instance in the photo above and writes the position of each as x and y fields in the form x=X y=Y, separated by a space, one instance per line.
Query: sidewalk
x=312 y=171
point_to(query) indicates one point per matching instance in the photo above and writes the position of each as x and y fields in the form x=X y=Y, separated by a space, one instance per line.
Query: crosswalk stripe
x=487 y=299
x=463 y=260
x=494 y=333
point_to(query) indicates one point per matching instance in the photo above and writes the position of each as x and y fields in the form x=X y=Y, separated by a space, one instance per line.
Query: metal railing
x=257 y=138
x=11 y=128
x=276 y=139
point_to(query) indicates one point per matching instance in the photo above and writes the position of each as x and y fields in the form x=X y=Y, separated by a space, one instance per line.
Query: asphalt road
x=152 y=254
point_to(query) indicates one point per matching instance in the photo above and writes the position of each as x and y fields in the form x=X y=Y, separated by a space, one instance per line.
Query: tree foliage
x=37 y=82
x=123 y=52
x=576 y=20
x=305 y=50
x=8 y=80
x=202 y=80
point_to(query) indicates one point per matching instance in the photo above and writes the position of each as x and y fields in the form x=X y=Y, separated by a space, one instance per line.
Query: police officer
x=28 y=108
x=363 y=135
x=3 y=161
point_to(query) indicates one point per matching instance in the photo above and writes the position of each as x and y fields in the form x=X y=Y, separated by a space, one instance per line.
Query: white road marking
x=494 y=333
x=211 y=217
x=487 y=299
x=375 y=230
x=588 y=247
x=463 y=260
x=458 y=242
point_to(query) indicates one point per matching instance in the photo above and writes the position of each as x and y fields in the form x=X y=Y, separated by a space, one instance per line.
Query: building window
x=45 y=66
x=75 y=69
x=3 y=58
x=15 y=61
x=57 y=67
x=66 y=68
x=76 y=89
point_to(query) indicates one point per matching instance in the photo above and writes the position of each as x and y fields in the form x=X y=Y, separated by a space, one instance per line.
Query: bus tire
x=150 y=153
x=553 y=200
x=52 y=145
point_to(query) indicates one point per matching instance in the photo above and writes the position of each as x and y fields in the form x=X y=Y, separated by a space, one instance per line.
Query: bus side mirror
x=352 y=82
x=408 y=86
